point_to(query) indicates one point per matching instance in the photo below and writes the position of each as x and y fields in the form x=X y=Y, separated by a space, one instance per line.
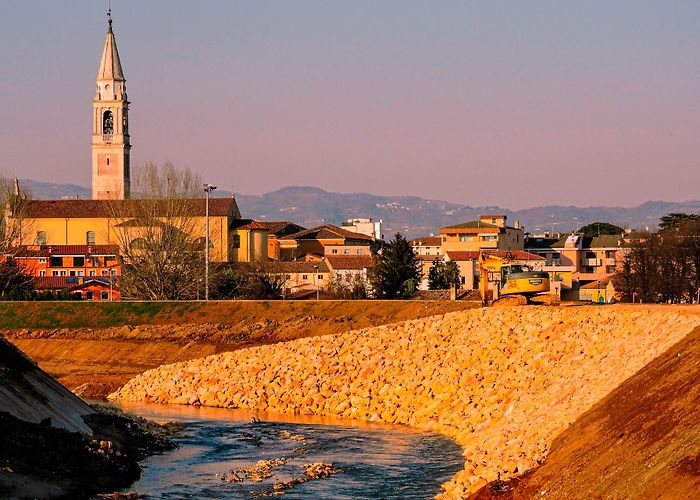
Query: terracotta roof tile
x=80 y=209
x=350 y=262
x=49 y=250
x=428 y=241
x=282 y=228
x=299 y=266
x=327 y=232
x=512 y=254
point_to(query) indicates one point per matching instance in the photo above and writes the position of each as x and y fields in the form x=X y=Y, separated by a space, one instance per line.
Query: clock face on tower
x=107 y=123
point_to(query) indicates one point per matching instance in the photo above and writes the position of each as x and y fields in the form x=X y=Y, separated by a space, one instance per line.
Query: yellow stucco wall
x=73 y=231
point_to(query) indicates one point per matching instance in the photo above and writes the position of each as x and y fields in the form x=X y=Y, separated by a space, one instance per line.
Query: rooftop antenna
x=109 y=13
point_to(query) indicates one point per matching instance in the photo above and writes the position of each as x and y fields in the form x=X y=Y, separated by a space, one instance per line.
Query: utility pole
x=208 y=188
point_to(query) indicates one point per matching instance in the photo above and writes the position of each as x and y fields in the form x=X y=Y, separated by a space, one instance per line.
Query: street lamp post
x=315 y=278
x=208 y=188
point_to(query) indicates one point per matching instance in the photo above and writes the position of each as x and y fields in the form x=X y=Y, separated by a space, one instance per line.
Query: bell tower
x=110 y=126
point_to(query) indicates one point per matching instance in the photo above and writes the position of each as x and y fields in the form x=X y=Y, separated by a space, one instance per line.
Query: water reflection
x=376 y=461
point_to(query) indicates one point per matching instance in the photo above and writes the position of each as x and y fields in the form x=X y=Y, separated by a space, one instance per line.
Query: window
x=90 y=235
x=41 y=237
x=346 y=251
x=104 y=295
x=88 y=295
x=81 y=273
x=360 y=252
x=71 y=273
x=138 y=244
x=42 y=273
x=489 y=237
x=335 y=250
x=78 y=294
x=92 y=273
x=466 y=237
x=113 y=272
x=78 y=261
x=590 y=255
x=288 y=277
x=236 y=241
x=304 y=276
x=104 y=273
x=63 y=273
x=107 y=123
x=56 y=261
x=54 y=273
x=589 y=269
x=610 y=269
x=42 y=260
x=320 y=276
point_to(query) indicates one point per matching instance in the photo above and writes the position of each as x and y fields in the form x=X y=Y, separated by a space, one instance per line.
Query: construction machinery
x=514 y=283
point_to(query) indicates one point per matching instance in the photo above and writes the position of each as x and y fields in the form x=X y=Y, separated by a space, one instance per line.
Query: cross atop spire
x=110 y=65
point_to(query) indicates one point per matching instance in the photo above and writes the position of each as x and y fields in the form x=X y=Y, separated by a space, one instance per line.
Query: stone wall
x=502 y=382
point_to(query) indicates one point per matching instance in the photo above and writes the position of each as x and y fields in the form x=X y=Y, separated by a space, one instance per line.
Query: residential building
x=302 y=276
x=584 y=258
x=429 y=245
x=326 y=240
x=68 y=260
x=468 y=263
x=87 y=288
x=369 y=227
x=490 y=232
x=350 y=268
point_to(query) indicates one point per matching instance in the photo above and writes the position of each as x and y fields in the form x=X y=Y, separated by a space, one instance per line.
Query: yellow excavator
x=515 y=284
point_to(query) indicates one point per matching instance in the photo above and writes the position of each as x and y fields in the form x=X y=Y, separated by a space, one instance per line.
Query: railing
x=611 y=261
x=591 y=262
x=107 y=137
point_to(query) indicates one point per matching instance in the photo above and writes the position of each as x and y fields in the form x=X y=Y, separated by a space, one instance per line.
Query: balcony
x=591 y=262
x=611 y=261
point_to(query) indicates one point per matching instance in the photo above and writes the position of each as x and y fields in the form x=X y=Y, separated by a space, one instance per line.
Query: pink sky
x=483 y=105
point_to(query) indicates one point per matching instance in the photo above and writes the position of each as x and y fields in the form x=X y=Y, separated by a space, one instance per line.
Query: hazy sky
x=515 y=104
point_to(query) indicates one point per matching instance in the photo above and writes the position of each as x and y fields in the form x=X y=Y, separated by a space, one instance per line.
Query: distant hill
x=411 y=215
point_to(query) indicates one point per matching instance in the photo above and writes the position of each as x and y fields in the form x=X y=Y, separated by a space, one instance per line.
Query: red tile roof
x=248 y=224
x=49 y=250
x=298 y=266
x=428 y=241
x=510 y=254
x=85 y=209
x=66 y=282
x=350 y=262
x=327 y=232
x=281 y=228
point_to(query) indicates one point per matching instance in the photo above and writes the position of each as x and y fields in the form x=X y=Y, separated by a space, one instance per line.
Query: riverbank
x=54 y=445
x=93 y=349
x=502 y=382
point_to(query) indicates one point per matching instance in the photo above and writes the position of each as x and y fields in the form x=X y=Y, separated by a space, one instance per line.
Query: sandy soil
x=641 y=441
x=96 y=361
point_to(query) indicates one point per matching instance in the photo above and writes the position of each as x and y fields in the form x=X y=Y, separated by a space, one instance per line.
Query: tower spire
x=110 y=132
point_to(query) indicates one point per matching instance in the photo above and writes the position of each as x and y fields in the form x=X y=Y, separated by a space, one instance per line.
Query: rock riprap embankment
x=502 y=382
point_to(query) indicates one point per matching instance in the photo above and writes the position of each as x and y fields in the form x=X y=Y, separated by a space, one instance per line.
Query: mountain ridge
x=410 y=215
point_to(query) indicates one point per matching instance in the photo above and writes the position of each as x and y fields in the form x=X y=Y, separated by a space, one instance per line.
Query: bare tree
x=160 y=244
x=15 y=283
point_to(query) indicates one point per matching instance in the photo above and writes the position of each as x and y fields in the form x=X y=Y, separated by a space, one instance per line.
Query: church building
x=112 y=212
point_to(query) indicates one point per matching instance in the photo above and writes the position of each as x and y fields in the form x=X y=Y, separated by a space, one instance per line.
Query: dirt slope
x=641 y=441
x=96 y=359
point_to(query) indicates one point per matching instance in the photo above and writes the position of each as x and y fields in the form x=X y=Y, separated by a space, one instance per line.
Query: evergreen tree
x=397 y=272
x=441 y=275
x=600 y=229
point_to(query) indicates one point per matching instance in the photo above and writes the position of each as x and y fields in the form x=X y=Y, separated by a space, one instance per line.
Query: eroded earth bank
x=502 y=382
x=94 y=348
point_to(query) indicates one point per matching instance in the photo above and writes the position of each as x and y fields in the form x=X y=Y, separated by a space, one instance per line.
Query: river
x=369 y=460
